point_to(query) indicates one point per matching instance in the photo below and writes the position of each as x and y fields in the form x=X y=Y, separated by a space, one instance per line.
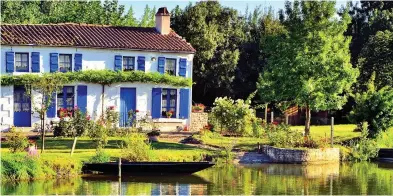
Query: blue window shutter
x=9 y=61
x=182 y=67
x=54 y=62
x=141 y=63
x=184 y=103
x=35 y=62
x=161 y=65
x=78 y=62
x=51 y=112
x=118 y=62
x=82 y=97
x=156 y=103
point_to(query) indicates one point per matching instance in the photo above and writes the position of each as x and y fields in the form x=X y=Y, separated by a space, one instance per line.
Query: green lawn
x=162 y=151
x=341 y=133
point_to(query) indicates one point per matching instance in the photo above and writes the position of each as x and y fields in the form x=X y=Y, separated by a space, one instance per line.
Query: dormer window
x=65 y=63
x=128 y=63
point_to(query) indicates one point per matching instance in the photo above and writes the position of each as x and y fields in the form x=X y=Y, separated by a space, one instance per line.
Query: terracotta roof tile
x=93 y=36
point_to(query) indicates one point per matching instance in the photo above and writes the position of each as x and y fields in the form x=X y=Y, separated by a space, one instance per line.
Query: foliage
x=17 y=141
x=19 y=167
x=135 y=148
x=374 y=107
x=100 y=157
x=365 y=149
x=73 y=124
x=105 y=77
x=198 y=107
x=99 y=134
x=384 y=139
x=233 y=116
x=309 y=63
x=284 y=137
x=148 y=17
x=377 y=57
x=227 y=152
x=216 y=33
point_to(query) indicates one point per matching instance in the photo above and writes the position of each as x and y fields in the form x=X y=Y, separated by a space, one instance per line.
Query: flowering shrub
x=233 y=116
x=72 y=124
x=282 y=136
x=16 y=140
x=135 y=148
x=169 y=113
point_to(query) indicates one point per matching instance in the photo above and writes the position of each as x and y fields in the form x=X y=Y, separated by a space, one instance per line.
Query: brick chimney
x=163 y=21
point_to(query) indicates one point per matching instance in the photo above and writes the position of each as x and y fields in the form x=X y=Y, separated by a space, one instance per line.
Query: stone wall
x=283 y=155
x=198 y=120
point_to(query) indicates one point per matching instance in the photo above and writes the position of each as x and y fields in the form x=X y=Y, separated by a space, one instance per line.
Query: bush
x=100 y=157
x=16 y=140
x=235 y=117
x=74 y=124
x=284 y=137
x=375 y=108
x=365 y=149
x=135 y=148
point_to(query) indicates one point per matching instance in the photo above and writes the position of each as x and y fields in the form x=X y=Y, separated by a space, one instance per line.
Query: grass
x=85 y=149
x=341 y=133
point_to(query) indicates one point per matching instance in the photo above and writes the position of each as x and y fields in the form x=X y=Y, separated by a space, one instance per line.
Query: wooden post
x=331 y=131
x=272 y=117
x=119 y=167
x=266 y=105
x=259 y=148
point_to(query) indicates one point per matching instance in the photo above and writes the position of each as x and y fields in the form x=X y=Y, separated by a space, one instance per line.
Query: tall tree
x=216 y=33
x=148 y=17
x=129 y=19
x=21 y=12
x=309 y=65
x=113 y=13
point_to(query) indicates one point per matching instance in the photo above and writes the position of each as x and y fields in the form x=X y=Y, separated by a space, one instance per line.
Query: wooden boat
x=147 y=168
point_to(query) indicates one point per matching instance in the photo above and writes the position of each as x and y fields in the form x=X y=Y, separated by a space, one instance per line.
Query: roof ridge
x=74 y=24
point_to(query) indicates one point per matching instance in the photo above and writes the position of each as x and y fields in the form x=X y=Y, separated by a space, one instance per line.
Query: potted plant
x=169 y=114
x=153 y=135
x=198 y=108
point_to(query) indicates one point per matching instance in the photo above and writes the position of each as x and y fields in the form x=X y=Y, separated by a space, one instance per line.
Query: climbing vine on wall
x=103 y=77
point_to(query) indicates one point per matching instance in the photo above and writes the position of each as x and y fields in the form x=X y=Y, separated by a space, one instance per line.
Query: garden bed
x=285 y=155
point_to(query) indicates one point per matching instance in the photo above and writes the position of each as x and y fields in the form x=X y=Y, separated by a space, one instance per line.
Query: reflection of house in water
x=178 y=189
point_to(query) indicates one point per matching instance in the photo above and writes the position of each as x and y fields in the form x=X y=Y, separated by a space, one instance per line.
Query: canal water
x=330 y=179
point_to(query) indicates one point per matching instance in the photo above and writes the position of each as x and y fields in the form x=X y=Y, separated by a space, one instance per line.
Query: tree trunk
x=308 y=120
x=73 y=145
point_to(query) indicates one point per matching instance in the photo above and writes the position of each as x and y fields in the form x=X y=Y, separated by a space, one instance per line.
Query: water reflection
x=343 y=179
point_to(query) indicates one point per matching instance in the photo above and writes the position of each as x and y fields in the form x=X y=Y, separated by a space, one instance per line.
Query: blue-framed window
x=66 y=99
x=65 y=62
x=168 y=102
x=128 y=63
x=21 y=62
x=170 y=66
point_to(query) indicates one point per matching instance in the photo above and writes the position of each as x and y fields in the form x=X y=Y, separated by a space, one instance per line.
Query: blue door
x=127 y=103
x=22 y=107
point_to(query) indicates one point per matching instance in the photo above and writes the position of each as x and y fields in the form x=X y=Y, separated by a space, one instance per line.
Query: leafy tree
x=21 y=12
x=113 y=13
x=216 y=33
x=148 y=17
x=309 y=64
x=374 y=107
x=46 y=87
x=377 y=56
x=129 y=19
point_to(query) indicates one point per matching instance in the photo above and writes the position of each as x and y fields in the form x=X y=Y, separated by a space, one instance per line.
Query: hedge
x=104 y=77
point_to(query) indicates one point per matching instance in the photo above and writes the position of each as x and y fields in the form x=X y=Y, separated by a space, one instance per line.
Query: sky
x=138 y=6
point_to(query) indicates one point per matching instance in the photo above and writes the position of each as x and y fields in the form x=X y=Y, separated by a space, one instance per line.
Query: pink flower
x=88 y=117
x=112 y=107
x=136 y=110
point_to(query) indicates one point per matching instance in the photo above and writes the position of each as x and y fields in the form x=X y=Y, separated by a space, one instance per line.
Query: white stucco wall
x=93 y=59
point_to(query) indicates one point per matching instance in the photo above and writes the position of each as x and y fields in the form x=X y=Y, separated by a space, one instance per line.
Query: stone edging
x=284 y=155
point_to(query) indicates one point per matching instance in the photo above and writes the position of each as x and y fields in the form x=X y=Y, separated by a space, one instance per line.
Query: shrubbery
x=135 y=147
x=284 y=137
x=375 y=108
x=365 y=149
x=235 y=117
x=20 y=167
x=16 y=140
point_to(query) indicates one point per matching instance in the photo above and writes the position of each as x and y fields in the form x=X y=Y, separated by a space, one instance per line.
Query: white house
x=47 y=48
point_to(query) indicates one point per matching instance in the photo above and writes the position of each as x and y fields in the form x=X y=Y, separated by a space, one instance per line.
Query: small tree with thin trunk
x=44 y=88
x=309 y=63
